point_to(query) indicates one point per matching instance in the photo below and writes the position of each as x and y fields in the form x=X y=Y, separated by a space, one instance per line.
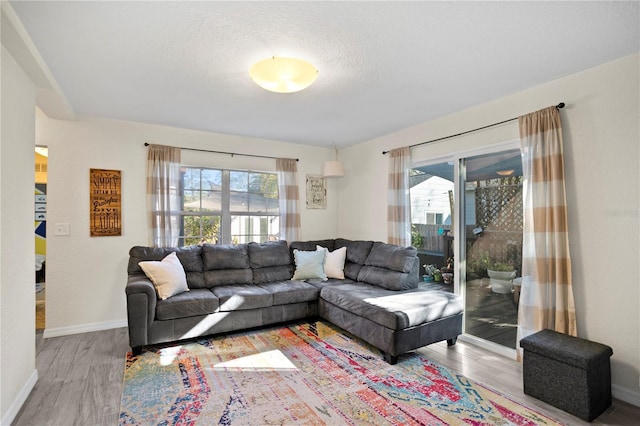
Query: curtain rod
x=559 y=106
x=231 y=153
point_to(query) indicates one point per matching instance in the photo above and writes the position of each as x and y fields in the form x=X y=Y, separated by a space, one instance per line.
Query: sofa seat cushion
x=392 y=309
x=242 y=297
x=286 y=292
x=191 y=303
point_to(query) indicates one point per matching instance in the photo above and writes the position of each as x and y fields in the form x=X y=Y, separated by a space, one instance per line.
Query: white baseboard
x=22 y=396
x=84 y=328
x=626 y=395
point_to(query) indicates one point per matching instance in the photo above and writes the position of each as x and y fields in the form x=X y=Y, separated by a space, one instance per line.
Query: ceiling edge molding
x=49 y=95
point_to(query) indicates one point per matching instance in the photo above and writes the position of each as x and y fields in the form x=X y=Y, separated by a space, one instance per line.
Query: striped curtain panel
x=163 y=194
x=546 y=300
x=399 y=203
x=287 y=171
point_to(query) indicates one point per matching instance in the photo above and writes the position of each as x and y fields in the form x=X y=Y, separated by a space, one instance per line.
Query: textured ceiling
x=383 y=66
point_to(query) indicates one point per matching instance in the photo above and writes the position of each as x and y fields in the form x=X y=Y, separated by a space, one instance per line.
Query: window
x=434 y=218
x=228 y=206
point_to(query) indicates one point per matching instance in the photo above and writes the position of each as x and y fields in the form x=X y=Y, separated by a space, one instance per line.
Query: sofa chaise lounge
x=235 y=287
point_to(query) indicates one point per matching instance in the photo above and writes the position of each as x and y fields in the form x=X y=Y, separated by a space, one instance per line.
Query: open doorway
x=40 y=224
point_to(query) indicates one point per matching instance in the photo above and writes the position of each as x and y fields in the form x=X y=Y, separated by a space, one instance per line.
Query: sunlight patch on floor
x=270 y=360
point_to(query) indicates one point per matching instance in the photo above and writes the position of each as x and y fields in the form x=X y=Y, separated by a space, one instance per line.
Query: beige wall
x=601 y=137
x=17 y=259
x=86 y=275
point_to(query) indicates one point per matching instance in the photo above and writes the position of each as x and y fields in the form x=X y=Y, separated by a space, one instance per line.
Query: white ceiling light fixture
x=283 y=75
x=505 y=172
x=333 y=168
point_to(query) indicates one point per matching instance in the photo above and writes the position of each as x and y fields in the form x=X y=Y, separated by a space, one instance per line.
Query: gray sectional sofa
x=235 y=287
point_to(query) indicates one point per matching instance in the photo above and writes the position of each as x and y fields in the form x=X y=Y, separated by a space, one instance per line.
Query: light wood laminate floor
x=80 y=380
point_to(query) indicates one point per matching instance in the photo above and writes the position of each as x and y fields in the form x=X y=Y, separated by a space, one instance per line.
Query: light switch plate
x=61 y=229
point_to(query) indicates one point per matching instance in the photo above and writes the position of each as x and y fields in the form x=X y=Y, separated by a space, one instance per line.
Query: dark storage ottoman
x=567 y=372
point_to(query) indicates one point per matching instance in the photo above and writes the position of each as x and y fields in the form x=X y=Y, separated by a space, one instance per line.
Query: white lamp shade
x=283 y=75
x=333 y=168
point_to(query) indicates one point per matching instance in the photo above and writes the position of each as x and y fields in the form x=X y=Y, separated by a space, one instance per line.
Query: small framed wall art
x=40 y=207
x=316 y=192
x=105 y=202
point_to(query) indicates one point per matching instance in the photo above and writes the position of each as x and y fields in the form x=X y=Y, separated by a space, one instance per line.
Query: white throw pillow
x=334 y=262
x=167 y=275
x=309 y=265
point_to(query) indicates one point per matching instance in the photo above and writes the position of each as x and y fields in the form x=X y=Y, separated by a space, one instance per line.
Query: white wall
x=17 y=259
x=86 y=275
x=601 y=137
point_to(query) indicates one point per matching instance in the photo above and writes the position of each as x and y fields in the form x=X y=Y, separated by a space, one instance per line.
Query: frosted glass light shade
x=505 y=172
x=283 y=75
x=333 y=169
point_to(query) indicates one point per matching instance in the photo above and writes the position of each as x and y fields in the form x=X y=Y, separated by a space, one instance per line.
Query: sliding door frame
x=459 y=240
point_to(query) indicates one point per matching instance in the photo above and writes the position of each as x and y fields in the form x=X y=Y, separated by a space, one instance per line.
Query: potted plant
x=501 y=276
x=477 y=265
x=429 y=271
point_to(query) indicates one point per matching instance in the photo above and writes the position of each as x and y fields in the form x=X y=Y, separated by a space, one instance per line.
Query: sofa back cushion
x=391 y=267
x=310 y=245
x=270 y=261
x=226 y=264
x=357 y=252
x=190 y=258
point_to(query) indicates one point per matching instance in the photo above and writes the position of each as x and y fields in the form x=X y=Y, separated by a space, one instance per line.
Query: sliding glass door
x=491 y=198
x=470 y=206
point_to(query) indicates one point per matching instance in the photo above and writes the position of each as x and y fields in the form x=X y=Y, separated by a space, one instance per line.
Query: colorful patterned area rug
x=307 y=374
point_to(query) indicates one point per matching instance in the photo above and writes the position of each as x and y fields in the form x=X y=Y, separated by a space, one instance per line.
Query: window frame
x=225 y=214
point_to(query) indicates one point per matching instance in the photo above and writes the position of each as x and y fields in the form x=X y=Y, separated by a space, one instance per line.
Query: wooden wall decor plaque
x=105 y=202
